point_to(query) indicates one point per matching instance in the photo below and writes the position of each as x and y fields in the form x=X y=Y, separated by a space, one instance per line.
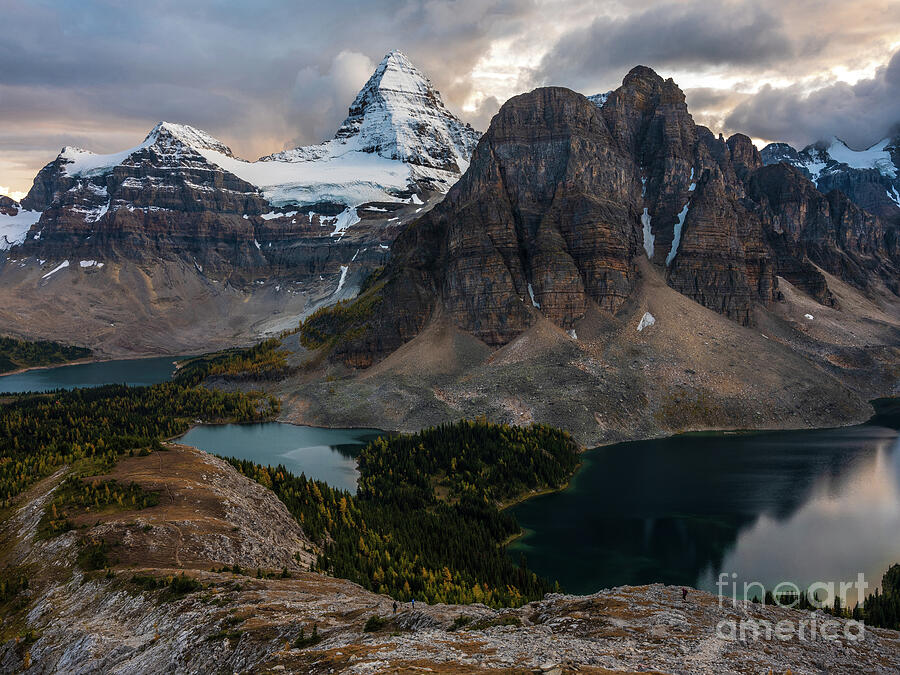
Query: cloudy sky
x=263 y=75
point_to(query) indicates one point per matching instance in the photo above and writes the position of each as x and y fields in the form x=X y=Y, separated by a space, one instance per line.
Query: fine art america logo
x=816 y=599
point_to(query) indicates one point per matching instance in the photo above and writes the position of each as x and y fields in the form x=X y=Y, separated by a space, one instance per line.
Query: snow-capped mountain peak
x=398 y=139
x=874 y=157
x=833 y=155
x=168 y=133
x=599 y=100
x=394 y=75
x=870 y=177
x=399 y=115
x=165 y=138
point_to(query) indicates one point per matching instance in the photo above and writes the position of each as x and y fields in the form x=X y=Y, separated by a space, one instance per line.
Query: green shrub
x=304 y=641
x=373 y=624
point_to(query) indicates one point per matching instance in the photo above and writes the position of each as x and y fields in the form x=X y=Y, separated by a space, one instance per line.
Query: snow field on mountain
x=14 y=228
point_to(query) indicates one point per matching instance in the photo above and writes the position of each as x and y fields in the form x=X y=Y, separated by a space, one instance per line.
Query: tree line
x=426 y=522
x=41 y=432
x=16 y=354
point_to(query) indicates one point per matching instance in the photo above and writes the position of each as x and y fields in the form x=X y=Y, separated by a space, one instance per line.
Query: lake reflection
x=322 y=454
x=800 y=506
x=134 y=372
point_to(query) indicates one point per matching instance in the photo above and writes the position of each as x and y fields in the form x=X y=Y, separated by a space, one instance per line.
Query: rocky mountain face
x=8 y=206
x=870 y=177
x=182 y=195
x=204 y=233
x=564 y=194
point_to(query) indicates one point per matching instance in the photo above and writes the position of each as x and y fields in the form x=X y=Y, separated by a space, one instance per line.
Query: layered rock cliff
x=564 y=193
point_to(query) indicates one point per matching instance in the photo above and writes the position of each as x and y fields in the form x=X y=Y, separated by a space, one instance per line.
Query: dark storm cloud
x=666 y=36
x=263 y=75
x=861 y=114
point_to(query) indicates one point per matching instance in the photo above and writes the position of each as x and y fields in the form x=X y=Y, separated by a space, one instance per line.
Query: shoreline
x=91 y=360
x=76 y=362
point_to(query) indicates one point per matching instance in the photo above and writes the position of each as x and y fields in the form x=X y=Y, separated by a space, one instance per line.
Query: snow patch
x=344 y=220
x=809 y=316
x=646 y=321
x=62 y=265
x=343 y=278
x=96 y=214
x=572 y=333
x=415 y=200
x=275 y=214
x=13 y=229
x=873 y=157
x=895 y=197
x=90 y=263
x=648 y=233
x=531 y=295
x=676 y=240
x=256 y=243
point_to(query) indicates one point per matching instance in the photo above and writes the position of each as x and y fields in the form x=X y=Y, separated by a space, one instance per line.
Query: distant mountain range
x=183 y=194
x=870 y=177
x=564 y=208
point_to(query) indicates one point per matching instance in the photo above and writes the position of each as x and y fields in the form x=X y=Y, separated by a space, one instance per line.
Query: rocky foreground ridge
x=74 y=621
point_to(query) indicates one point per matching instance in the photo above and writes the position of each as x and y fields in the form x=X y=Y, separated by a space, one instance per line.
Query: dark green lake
x=799 y=506
x=322 y=454
x=135 y=372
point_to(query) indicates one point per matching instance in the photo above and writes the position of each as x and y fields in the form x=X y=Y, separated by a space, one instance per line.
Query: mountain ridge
x=870 y=177
x=655 y=277
x=521 y=234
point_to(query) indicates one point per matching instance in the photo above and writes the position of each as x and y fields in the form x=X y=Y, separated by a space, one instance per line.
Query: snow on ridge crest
x=829 y=156
x=187 y=135
x=399 y=137
x=166 y=137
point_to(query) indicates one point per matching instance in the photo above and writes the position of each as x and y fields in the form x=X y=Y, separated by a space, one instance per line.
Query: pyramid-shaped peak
x=394 y=77
x=397 y=57
x=164 y=133
x=400 y=115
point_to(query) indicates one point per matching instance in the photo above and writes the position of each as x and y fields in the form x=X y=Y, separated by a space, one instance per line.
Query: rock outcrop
x=8 y=206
